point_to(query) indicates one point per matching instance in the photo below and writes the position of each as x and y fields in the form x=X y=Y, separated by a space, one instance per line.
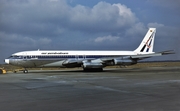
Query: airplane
x=88 y=60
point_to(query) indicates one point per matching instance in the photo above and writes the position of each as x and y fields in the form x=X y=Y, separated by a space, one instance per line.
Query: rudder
x=147 y=43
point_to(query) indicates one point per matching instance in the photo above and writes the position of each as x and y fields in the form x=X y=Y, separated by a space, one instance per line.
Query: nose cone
x=6 y=61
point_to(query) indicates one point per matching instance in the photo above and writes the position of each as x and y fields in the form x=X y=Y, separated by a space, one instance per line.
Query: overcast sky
x=87 y=25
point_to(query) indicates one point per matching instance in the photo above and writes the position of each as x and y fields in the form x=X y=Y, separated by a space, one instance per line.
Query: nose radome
x=6 y=61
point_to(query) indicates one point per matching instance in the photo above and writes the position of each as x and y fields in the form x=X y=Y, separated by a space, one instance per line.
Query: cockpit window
x=10 y=57
x=15 y=56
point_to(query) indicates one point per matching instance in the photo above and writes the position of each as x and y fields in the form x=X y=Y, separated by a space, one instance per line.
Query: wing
x=130 y=60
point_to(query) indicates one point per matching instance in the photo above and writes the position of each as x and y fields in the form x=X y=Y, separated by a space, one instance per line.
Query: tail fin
x=147 y=43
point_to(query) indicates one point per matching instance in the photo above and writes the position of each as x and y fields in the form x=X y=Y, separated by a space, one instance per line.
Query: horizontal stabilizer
x=143 y=56
x=167 y=52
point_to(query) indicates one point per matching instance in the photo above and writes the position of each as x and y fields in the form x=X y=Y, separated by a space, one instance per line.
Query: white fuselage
x=57 y=58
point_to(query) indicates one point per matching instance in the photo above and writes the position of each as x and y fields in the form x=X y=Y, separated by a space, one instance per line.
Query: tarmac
x=118 y=89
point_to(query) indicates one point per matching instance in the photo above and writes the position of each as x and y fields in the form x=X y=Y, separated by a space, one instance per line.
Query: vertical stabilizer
x=147 y=43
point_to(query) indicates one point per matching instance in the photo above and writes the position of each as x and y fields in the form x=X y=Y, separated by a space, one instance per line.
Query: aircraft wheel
x=100 y=69
x=15 y=71
x=25 y=71
x=85 y=69
x=93 y=69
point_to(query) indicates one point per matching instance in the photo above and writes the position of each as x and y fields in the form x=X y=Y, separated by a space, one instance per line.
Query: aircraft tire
x=93 y=69
x=25 y=71
x=85 y=69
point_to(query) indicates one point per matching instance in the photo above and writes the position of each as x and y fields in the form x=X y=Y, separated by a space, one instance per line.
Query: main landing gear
x=93 y=69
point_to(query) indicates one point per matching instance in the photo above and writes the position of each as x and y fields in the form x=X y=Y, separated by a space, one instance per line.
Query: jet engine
x=92 y=65
x=124 y=61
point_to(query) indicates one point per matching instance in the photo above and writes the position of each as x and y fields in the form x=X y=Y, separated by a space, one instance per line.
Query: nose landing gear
x=25 y=71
